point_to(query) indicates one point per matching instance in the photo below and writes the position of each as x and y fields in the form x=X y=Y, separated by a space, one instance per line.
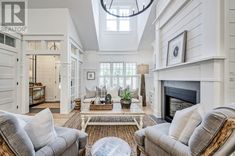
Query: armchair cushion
x=66 y=138
x=81 y=136
x=139 y=137
x=82 y=140
x=15 y=136
x=158 y=135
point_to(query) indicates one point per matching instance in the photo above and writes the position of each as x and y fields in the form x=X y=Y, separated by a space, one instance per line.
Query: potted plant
x=126 y=99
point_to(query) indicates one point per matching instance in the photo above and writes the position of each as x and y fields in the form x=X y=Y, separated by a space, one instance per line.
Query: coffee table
x=134 y=112
x=111 y=146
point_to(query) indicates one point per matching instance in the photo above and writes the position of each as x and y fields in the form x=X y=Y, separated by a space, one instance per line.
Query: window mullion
x=111 y=74
x=124 y=75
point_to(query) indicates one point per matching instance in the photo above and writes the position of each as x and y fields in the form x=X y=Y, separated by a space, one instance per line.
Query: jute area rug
x=97 y=132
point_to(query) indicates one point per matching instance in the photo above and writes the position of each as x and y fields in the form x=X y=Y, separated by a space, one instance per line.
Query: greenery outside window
x=118 y=74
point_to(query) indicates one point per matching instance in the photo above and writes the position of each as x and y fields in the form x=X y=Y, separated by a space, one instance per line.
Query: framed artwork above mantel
x=177 y=49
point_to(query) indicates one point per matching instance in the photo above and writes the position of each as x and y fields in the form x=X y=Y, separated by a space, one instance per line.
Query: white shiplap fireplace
x=207 y=73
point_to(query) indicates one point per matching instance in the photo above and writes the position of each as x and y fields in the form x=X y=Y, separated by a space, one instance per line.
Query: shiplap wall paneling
x=231 y=21
x=190 y=19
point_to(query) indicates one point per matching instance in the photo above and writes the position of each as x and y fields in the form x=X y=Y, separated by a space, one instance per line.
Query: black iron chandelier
x=137 y=8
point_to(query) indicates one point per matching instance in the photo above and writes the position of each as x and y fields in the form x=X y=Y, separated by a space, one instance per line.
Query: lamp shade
x=143 y=69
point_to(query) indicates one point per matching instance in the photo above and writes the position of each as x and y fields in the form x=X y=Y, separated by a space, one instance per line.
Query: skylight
x=118 y=24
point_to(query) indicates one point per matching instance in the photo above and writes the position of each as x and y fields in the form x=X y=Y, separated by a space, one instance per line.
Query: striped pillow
x=101 y=92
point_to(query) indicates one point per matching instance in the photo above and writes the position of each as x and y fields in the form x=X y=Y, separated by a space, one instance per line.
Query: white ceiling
x=149 y=32
x=82 y=15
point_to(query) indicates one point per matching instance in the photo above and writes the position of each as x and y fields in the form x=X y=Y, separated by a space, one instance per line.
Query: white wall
x=96 y=12
x=72 y=31
x=47 y=21
x=141 y=22
x=93 y=58
x=204 y=28
x=54 y=24
x=204 y=21
x=230 y=49
x=117 y=41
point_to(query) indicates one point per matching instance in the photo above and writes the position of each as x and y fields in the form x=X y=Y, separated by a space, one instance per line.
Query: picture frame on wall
x=90 y=75
x=176 y=49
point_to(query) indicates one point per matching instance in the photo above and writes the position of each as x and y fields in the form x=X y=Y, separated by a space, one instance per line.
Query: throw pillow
x=15 y=136
x=135 y=93
x=193 y=121
x=90 y=93
x=204 y=134
x=184 y=123
x=220 y=139
x=113 y=92
x=101 y=92
x=41 y=129
x=22 y=119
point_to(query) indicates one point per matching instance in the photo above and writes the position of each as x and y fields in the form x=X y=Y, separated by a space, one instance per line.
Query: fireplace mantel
x=208 y=71
x=191 y=62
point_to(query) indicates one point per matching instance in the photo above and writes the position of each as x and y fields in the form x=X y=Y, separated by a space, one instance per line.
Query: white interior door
x=57 y=78
x=48 y=68
x=8 y=81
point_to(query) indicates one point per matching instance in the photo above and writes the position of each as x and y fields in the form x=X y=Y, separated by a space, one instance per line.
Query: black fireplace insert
x=177 y=99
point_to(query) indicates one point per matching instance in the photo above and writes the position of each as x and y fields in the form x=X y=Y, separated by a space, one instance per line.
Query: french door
x=73 y=80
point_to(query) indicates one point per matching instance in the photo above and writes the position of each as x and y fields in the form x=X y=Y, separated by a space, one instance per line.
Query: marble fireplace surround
x=208 y=72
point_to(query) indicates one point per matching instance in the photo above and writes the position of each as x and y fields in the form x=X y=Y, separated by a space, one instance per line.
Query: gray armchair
x=154 y=141
x=15 y=141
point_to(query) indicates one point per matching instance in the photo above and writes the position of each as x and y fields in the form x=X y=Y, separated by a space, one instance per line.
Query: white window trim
x=118 y=22
x=111 y=76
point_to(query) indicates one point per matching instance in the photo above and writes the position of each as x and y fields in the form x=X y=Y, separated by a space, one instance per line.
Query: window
x=118 y=75
x=74 y=50
x=105 y=74
x=111 y=24
x=10 y=41
x=118 y=24
x=53 y=45
x=2 y=38
x=7 y=40
x=131 y=75
x=34 y=45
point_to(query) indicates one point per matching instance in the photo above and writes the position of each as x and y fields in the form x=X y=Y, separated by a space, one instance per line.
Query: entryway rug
x=97 y=132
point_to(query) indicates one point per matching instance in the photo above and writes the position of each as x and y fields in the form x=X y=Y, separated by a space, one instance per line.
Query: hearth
x=177 y=99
